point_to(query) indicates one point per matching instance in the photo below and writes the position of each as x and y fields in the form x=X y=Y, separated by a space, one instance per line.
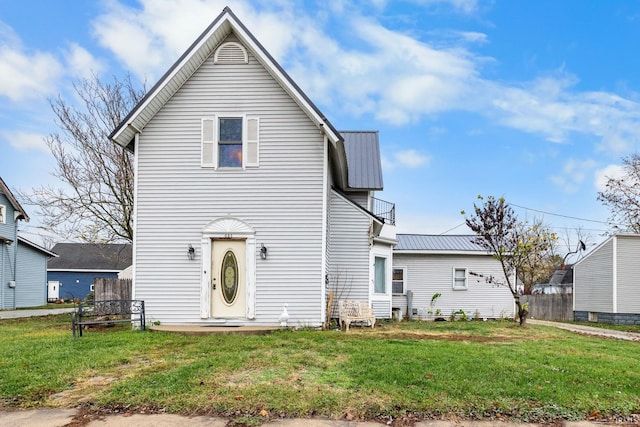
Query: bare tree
x=622 y=196
x=95 y=202
x=516 y=245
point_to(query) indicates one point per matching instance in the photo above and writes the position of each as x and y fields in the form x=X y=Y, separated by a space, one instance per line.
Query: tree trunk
x=523 y=311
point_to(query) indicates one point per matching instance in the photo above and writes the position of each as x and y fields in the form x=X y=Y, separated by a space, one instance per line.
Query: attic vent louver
x=231 y=53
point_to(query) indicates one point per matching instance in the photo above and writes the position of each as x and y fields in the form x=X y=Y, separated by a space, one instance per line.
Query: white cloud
x=25 y=74
x=574 y=173
x=603 y=175
x=405 y=158
x=392 y=76
x=24 y=140
x=81 y=63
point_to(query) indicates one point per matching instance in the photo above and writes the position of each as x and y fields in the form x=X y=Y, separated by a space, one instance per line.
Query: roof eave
x=192 y=59
x=14 y=202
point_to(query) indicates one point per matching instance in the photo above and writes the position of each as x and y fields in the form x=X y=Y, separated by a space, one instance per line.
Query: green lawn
x=467 y=369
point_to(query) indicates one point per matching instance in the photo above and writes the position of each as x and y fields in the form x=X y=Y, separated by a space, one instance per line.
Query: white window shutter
x=253 y=143
x=208 y=142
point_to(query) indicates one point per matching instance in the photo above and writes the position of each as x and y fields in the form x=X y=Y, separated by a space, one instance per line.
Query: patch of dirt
x=422 y=335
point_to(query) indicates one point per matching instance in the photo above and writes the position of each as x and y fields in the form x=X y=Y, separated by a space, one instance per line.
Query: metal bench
x=355 y=311
x=107 y=312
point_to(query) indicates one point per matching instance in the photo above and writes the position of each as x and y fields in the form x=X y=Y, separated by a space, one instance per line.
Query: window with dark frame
x=230 y=142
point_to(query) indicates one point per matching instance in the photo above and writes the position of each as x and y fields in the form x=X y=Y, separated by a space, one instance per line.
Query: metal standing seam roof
x=91 y=256
x=437 y=243
x=363 y=160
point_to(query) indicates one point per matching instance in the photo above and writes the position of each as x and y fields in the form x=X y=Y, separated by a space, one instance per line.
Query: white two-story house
x=246 y=196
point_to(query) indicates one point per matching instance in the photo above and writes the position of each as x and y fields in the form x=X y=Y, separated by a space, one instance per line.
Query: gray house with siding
x=454 y=267
x=247 y=198
x=606 y=282
x=23 y=264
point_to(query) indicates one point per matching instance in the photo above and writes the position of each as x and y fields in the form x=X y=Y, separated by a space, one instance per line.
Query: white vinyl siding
x=628 y=253
x=349 y=252
x=593 y=280
x=431 y=274
x=282 y=199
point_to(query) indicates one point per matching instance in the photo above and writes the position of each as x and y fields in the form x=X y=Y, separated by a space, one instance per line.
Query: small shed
x=606 y=282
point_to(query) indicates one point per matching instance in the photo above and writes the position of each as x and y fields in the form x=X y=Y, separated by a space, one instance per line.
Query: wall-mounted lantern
x=191 y=252
x=263 y=251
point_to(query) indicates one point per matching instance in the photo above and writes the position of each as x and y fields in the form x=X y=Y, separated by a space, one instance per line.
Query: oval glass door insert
x=229 y=277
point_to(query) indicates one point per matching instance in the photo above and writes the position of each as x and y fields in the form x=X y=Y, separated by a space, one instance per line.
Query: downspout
x=15 y=261
x=614 y=283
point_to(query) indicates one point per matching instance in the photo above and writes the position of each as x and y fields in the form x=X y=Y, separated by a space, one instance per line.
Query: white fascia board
x=166 y=80
x=386 y=241
x=594 y=250
x=280 y=77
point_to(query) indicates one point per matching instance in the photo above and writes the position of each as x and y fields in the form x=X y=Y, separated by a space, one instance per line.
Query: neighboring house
x=561 y=282
x=454 y=267
x=23 y=264
x=247 y=198
x=79 y=264
x=606 y=284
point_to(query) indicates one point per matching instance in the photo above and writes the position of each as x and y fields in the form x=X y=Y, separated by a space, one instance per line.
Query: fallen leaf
x=264 y=413
x=239 y=396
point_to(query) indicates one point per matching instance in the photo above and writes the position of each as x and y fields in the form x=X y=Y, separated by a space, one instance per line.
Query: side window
x=398 y=280
x=230 y=142
x=460 y=279
x=380 y=280
x=3 y=214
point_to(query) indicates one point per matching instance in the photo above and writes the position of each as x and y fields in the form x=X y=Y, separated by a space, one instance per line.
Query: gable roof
x=225 y=24
x=14 y=202
x=438 y=244
x=91 y=256
x=363 y=160
x=22 y=240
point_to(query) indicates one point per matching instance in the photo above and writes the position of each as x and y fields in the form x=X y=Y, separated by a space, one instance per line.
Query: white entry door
x=228 y=278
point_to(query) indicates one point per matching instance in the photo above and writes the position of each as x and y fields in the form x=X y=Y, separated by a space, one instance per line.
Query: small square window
x=398 y=280
x=460 y=279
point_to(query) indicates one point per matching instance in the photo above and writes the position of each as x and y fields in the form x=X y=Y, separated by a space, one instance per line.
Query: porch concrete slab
x=215 y=329
x=37 y=418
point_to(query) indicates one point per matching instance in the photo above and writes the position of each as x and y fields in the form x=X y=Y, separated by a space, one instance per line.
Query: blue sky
x=535 y=101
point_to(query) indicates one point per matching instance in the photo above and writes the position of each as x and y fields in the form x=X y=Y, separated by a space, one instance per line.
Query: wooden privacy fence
x=549 y=307
x=112 y=289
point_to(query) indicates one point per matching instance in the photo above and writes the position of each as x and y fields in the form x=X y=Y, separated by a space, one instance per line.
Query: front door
x=228 y=278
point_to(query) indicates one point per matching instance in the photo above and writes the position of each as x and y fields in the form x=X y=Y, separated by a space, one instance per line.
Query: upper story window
x=460 y=279
x=230 y=141
x=3 y=214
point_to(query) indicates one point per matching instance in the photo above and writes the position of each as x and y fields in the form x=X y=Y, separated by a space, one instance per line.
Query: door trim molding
x=228 y=228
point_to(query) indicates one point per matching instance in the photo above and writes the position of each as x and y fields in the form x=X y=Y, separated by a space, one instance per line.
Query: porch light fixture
x=263 y=251
x=191 y=253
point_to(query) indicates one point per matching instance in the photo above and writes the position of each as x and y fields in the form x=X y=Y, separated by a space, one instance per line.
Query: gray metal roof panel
x=91 y=256
x=363 y=160
x=437 y=243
